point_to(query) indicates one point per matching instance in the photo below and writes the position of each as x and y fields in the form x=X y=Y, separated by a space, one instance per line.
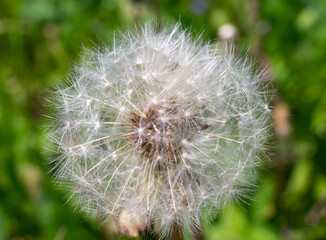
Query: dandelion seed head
x=160 y=126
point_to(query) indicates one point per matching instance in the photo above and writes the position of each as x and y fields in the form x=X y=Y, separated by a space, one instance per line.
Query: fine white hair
x=161 y=126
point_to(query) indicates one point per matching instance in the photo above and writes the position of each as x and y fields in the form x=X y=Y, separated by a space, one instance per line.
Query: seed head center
x=159 y=132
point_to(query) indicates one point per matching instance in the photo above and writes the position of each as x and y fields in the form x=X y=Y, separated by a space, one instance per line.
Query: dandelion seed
x=160 y=127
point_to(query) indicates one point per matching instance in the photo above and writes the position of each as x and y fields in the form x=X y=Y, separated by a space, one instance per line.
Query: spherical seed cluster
x=160 y=126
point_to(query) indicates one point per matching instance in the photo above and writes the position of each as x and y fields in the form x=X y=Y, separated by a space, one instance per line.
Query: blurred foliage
x=40 y=40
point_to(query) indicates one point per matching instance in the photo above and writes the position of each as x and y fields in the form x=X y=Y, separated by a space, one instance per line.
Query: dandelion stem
x=176 y=232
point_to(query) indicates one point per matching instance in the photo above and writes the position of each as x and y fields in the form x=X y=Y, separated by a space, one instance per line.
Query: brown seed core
x=161 y=130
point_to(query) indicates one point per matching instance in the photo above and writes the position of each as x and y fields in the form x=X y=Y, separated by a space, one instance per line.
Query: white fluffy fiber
x=204 y=84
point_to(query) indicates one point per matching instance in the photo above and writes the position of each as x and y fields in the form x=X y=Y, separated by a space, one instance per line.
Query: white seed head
x=160 y=126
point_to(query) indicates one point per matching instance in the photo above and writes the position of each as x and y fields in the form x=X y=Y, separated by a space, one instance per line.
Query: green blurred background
x=40 y=40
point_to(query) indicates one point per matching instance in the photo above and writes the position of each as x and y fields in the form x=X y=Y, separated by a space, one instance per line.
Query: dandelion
x=159 y=128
